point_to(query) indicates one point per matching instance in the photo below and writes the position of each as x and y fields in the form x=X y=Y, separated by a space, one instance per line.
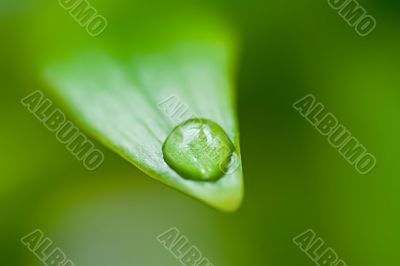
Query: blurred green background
x=293 y=179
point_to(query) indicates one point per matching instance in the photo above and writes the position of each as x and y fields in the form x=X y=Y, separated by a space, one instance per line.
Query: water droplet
x=199 y=149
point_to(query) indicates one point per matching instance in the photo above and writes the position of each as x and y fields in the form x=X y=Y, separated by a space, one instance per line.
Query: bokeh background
x=293 y=179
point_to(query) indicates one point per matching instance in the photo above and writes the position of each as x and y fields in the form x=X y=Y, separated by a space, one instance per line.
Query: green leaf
x=119 y=96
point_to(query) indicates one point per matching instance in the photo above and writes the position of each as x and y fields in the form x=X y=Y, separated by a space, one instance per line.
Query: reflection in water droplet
x=199 y=149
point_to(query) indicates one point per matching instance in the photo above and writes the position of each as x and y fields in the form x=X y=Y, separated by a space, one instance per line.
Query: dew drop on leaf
x=199 y=149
